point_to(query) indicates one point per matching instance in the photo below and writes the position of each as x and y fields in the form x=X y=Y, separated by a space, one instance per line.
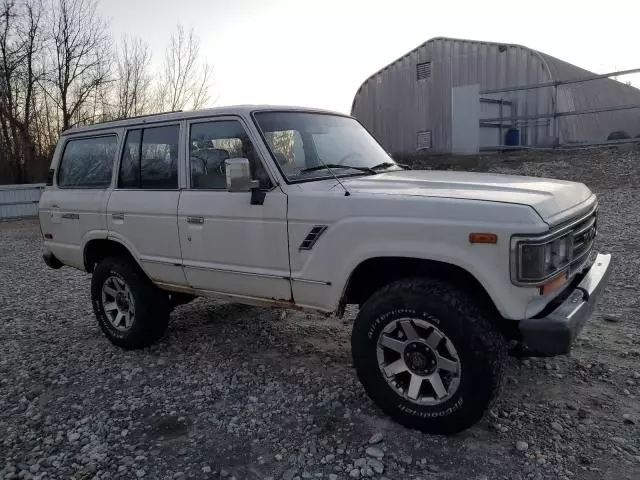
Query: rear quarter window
x=87 y=162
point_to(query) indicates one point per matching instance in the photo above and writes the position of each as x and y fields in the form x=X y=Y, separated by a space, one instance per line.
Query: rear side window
x=87 y=162
x=150 y=159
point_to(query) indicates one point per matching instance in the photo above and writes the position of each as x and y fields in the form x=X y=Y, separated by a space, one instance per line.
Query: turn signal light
x=553 y=284
x=483 y=238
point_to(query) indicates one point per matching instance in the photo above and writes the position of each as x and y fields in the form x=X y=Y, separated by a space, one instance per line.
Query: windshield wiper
x=335 y=165
x=388 y=165
x=383 y=165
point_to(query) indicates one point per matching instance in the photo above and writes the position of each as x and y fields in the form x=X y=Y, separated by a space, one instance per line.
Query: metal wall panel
x=18 y=201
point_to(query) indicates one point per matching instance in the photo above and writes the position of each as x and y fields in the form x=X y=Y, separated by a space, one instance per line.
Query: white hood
x=552 y=199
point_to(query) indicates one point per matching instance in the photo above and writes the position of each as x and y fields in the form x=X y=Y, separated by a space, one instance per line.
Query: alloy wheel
x=418 y=361
x=118 y=304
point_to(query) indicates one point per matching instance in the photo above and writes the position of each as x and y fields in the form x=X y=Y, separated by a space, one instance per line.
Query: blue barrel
x=512 y=137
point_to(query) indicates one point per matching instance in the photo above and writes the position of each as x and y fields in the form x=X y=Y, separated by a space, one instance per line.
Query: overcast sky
x=317 y=53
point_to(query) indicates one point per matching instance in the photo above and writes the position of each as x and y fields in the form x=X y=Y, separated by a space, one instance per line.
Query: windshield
x=303 y=143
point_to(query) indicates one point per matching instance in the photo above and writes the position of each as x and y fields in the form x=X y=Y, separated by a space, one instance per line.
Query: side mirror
x=239 y=175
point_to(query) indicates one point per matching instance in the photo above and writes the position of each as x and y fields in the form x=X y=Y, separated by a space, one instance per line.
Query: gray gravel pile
x=241 y=392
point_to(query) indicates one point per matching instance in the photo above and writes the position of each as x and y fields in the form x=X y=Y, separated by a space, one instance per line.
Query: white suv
x=301 y=208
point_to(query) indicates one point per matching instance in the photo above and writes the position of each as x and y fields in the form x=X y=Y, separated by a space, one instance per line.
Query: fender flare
x=111 y=238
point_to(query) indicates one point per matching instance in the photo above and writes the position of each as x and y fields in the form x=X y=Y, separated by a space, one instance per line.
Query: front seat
x=211 y=175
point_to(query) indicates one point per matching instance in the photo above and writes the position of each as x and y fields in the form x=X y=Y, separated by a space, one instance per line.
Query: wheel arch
x=373 y=273
x=97 y=249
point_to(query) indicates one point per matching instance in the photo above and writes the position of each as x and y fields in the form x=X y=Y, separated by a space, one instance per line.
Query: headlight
x=536 y=260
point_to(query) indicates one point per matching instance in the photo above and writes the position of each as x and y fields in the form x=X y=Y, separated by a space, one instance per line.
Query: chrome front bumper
x=554 y=333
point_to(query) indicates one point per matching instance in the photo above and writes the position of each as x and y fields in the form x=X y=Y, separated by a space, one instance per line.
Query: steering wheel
x=348 y=155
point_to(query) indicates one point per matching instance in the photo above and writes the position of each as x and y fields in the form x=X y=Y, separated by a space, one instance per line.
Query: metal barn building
x=434 y=95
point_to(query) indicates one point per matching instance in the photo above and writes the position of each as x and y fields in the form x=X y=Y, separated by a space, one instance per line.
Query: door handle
x=70 y=216
x=195 y=220
x=117 y=216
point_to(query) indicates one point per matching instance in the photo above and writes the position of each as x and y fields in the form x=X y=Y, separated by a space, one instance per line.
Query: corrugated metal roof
x=597 y=93
x=394 y=104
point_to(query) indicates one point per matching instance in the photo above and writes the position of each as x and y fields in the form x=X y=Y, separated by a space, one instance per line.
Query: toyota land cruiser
x=300 y=208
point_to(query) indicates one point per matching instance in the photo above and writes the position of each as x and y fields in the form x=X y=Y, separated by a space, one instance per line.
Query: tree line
x=60 y=67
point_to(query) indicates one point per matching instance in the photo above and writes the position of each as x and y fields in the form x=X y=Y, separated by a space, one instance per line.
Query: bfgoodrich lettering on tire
x=427 y=355
x=130 y=310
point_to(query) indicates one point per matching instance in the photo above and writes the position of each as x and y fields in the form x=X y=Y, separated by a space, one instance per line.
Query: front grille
x=584 y=236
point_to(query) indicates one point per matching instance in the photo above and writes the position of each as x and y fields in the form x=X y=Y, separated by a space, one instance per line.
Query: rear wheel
x=427 y=355
x=130 y=310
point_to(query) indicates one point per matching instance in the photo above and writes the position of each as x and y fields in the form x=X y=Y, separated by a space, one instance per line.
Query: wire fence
x=590 y=110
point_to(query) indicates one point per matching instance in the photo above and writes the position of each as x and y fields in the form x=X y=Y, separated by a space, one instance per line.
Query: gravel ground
x=240 y=392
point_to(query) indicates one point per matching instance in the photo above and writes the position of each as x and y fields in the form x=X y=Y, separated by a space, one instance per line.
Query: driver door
x=230 y=246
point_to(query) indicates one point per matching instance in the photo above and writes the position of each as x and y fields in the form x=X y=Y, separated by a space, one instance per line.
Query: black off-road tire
x=152 y=306
x=482 y=351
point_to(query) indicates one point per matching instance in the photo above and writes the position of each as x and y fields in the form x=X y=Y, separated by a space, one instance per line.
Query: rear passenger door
x=73 y=208
x=142 y=209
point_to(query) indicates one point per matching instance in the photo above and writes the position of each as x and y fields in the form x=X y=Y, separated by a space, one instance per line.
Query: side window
x=210 y=144
x=130 y=165
x=87 y=162
x=150 y=159
x=159 y=158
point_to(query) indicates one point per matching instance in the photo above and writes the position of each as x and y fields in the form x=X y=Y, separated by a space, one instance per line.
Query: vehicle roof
x=242 y=110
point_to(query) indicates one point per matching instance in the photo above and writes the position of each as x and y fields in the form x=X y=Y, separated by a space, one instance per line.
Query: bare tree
x=47 y=120
x=10 y=50
x=98 y=105
x=57 y=70
x=32 y=48
x=19 y=46
x=185 y=82
x=81 y=51
x=134 y=81
x=202 y=85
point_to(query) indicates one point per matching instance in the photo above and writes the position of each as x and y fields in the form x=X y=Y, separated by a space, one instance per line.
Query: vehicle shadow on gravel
x=265 y=332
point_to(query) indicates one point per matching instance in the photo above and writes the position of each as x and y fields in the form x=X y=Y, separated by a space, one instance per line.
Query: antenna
x=346 y=192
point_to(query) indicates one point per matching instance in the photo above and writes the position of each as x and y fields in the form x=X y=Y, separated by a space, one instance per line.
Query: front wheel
x=131 y=311
x=427 y=355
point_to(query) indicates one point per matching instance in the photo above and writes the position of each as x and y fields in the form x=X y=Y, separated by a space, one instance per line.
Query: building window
x=423 y=70
x=423 y=140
